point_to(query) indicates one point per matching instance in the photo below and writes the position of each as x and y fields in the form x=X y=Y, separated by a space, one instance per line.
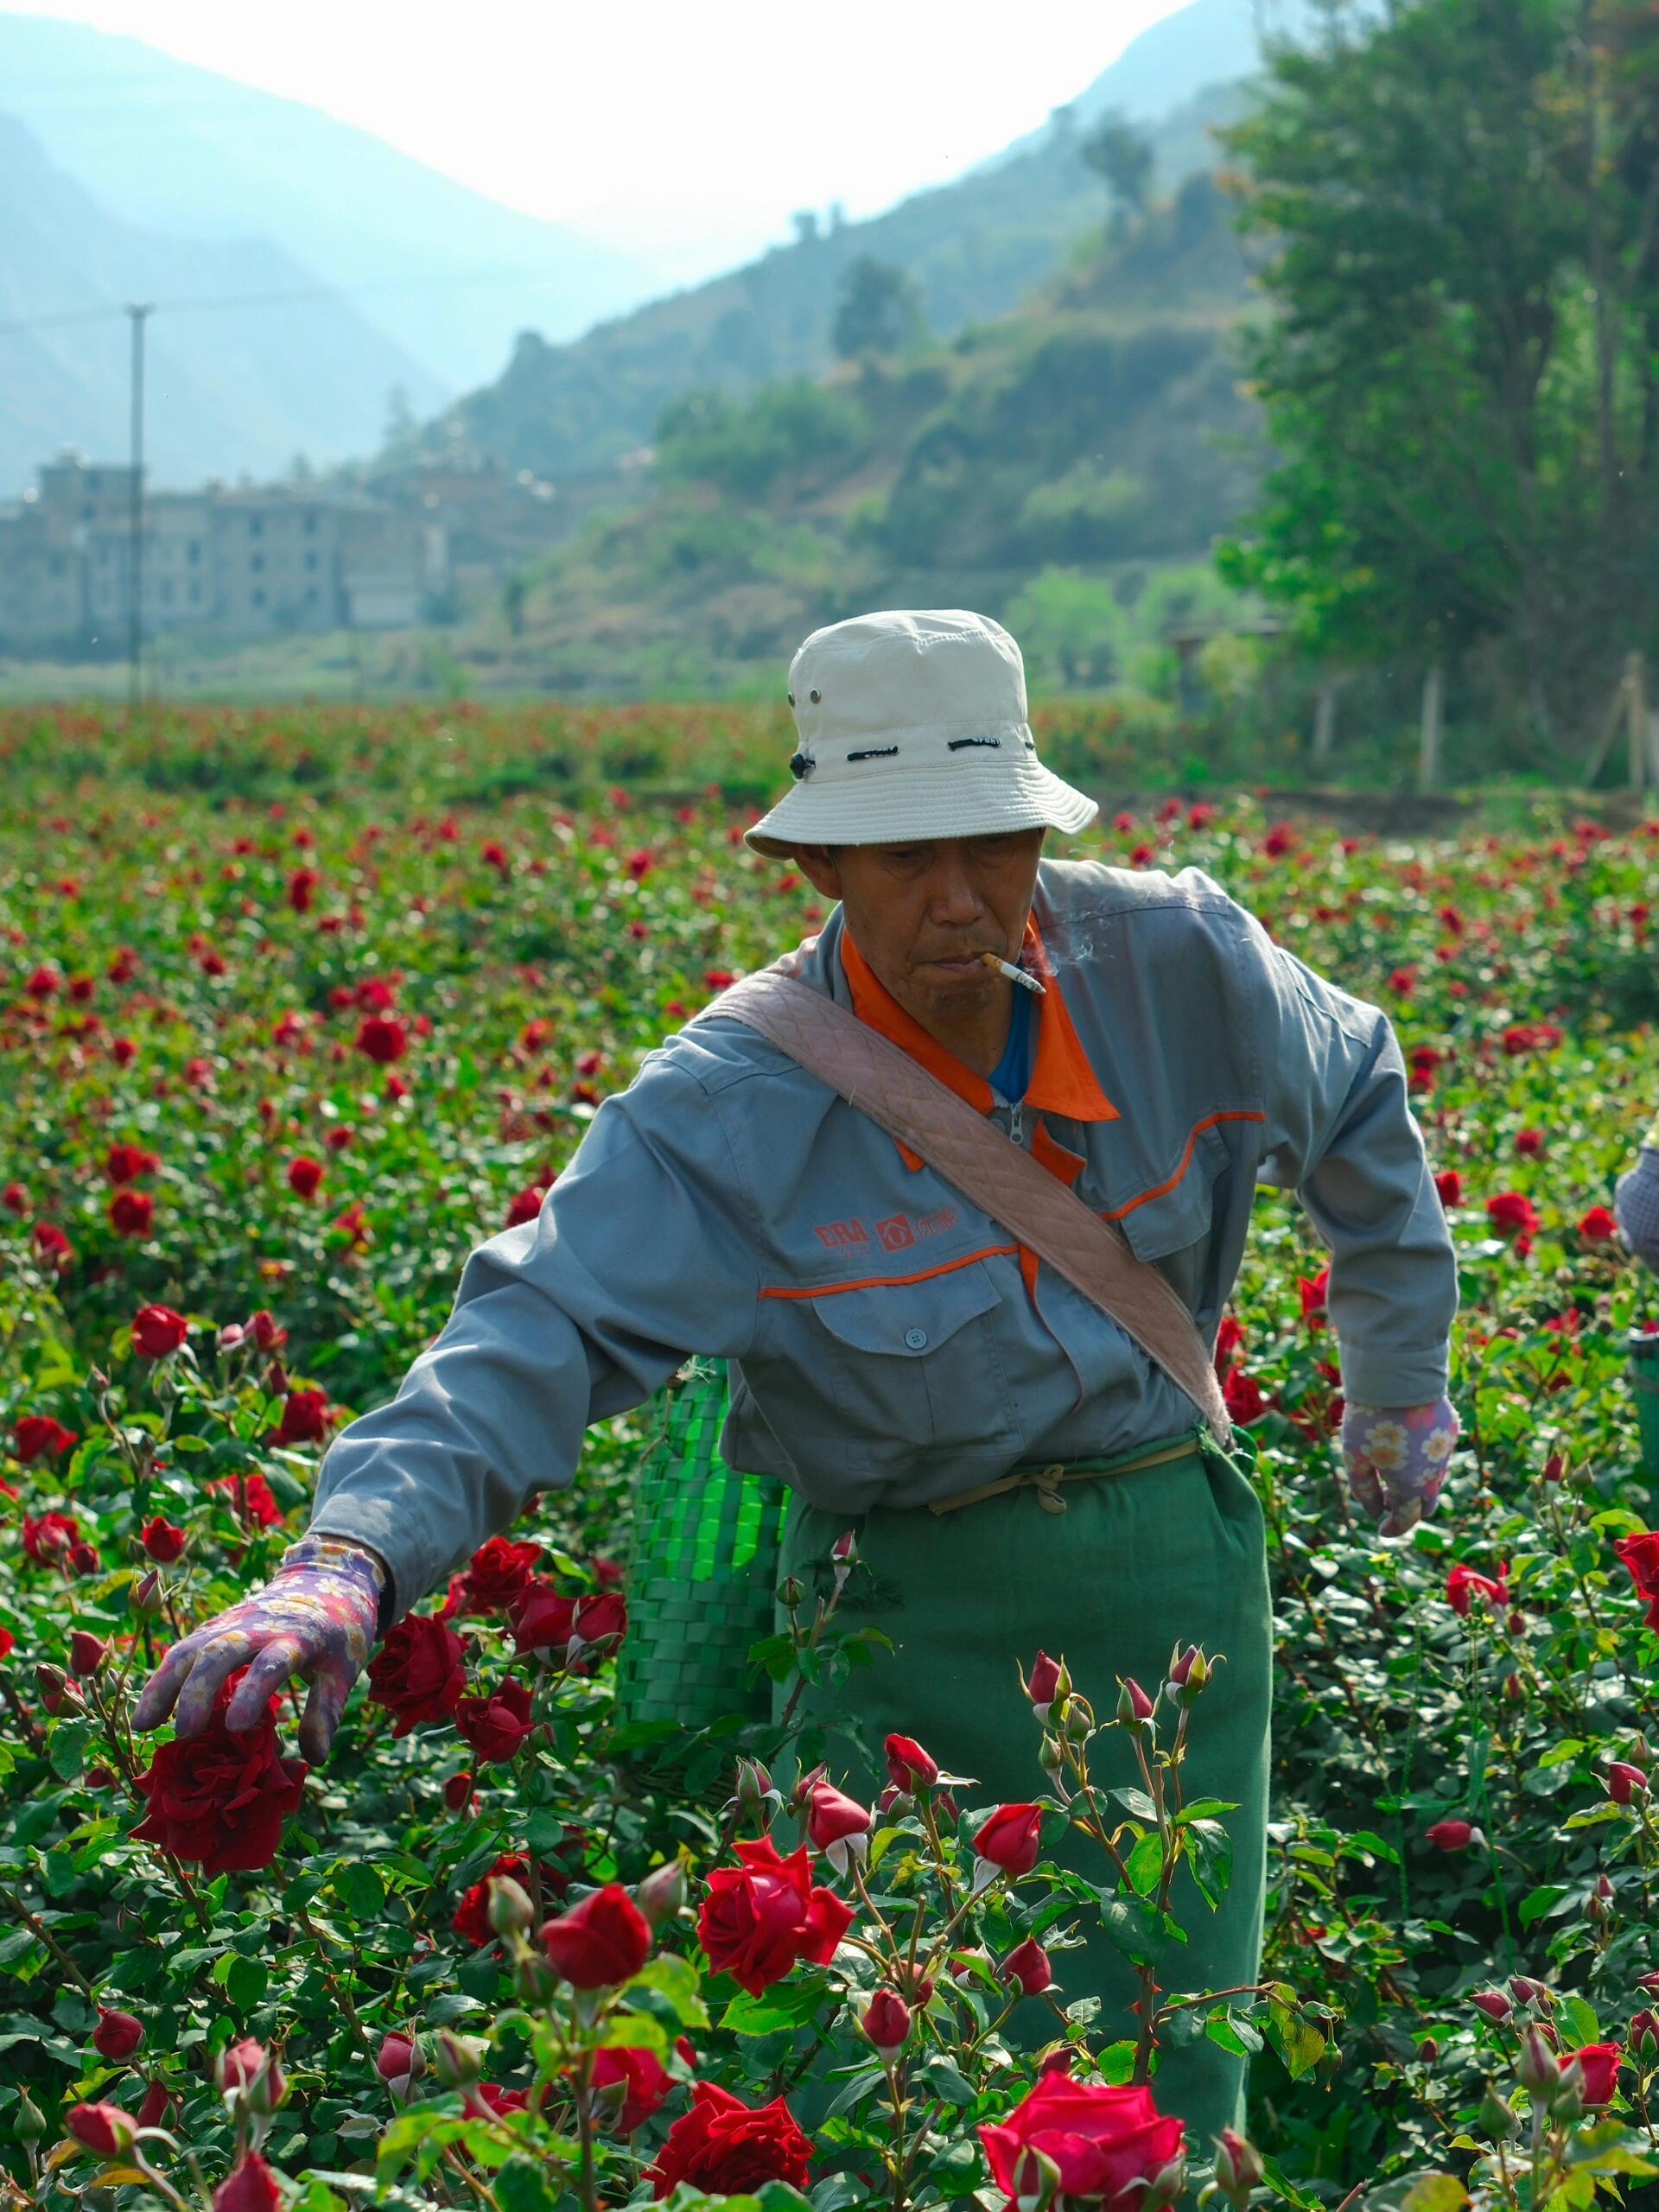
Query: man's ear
x=821 y=866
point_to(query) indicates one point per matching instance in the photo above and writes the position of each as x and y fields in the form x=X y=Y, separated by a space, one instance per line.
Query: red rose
x=598 y=1627
x=38 y=1435
x=488 y=2100
x=49 y=1539
x=1230 y=1346
x=758 y=1920
x=495 y=1725
x=1463 y=1585
x=648 y=2083
x=158 y=1330
x=219 y=1800
x=1529 y=1143
x=542 y=1619
x=886 y=2021
x=125 y=1163
x=163 y=1540
x=1640 y=1554
x=832 y=1817
x=266 y=1332
x=1449 y=1184
x=1108 y=2143
x=157 y=2103
x=497 y=1574
x=132 y=1213
x=1028 y=1964
x=1045 y=1682
x=1599 y=1226
x=245 y=2063
x=249 y=2187
x=1244 y=1396
x=419 y=1672
x=1600 y=2063
x=1510 y=1212
x=304 y=1175
x=1451 y=1835
x=471 y=1914
x=603 y=1941
x=255 y=1505
x=909 y=1767
x=727 y=2148
x=381 y=1040
x=1009 y=1839
x=305 y=1418
x=1625 y=1781
x=525 y=1207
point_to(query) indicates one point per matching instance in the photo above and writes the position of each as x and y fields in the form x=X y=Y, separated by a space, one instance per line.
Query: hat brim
x=977 y=798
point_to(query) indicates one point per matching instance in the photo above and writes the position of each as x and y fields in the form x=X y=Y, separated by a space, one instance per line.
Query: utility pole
x=135 y=515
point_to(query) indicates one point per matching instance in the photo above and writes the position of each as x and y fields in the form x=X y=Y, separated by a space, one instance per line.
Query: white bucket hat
x=912 y=724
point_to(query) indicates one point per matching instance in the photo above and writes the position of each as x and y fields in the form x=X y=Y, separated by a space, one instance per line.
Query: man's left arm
x=1342 y=1133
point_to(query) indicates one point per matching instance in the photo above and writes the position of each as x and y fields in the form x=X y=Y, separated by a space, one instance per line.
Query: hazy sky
x=650 y=121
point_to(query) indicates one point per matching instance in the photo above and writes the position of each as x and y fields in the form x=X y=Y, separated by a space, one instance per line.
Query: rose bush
x=168 y=1380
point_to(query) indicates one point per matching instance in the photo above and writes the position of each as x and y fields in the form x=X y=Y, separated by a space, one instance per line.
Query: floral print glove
x=1396 y=1458
x=316 y=1616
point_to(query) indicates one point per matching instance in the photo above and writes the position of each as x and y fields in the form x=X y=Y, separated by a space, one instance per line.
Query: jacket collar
x=1062 y=1081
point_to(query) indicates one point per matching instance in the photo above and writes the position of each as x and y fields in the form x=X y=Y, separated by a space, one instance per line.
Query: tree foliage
x=1462 y=375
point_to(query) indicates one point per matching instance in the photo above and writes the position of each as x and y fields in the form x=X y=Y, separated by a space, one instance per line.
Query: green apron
x=1165 y=1555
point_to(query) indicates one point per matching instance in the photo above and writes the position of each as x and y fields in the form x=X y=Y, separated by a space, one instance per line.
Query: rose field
x=296 y=1008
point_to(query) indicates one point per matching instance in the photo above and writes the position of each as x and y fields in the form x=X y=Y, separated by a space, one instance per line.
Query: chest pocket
x=918 y=1364
x=1173 y=1228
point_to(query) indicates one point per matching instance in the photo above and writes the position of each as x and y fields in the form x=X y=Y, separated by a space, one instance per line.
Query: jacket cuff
x=1392 y=1379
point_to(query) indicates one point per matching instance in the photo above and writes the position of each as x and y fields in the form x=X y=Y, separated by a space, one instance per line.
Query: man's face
x=921 y=915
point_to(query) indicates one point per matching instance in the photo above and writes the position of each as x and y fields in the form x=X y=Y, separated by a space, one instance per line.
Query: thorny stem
x=16 y=1905
x=336 y=1988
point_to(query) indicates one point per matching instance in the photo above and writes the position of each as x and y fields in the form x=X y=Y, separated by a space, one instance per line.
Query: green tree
x=879 y=310
x=1123 y=157
x=1460 y=376
x=1070 y=626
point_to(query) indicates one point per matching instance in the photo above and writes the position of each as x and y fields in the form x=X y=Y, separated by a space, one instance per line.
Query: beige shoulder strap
x=880 y=1078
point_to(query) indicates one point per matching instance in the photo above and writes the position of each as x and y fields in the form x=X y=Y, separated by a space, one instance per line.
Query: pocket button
x=916 y=1339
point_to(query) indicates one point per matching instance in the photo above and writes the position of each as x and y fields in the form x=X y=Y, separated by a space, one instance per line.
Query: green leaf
x=789 y=2004
x=1203 y=1809
x=67 y=1749
x=245 y=1983
x=1537 y=1903
x=1435 y=2193
x=633 y=2032
x=1365 y=1843
x=360 y=1890
x=1133 y=1928
x=949 y=2081
x=676 y=1980
x=1577 y=2022
x=526 y=2185
x=1145 y=1864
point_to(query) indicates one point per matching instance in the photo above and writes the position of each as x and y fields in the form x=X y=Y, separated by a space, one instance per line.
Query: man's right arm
x=641 y=1254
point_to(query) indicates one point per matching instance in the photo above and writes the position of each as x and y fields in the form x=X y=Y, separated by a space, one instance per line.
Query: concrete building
x=42 y=590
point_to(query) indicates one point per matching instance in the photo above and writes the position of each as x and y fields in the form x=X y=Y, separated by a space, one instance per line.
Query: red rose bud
x=459 y=2060
x=1494 y=2004
x=511 y=1910
x=754 y=1797
x=87 y=1652
x=1625 y=1781
x=1428 y=2051
x=1006 y=1842
x=246 y=2068
x=1079 y=1722
x=1644 y=2034
x=1238 y=2165
x=1514 y=1688
x=157 y=1330
x=791 y=1593
x=1537 y=2068
x=1554 y=1467
x=118 y=2035
x=250 y=2186
x=1452 y=1835
x=909 y=1767
x=104 y=2128
x=886 y=2021
x=661 y=1894
x=400 y=2060
x=602 y=1941
x=158 y=2102
x=458 y=1790
x=843 y=1555
x=1532 y=1992
x=84 y=1559
x=1188 y=1671
x=837 y=1826
x=1134 y=1707
x=148 y=1596
x=1048 y=1681
x=1029 y=1966
x=1650 y=1982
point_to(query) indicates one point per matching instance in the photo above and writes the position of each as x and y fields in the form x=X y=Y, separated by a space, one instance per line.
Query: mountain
x=223 y=392
x=185 y=152
x=975 y=248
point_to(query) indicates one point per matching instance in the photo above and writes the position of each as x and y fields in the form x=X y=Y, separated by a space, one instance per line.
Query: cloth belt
x=1046 y=1481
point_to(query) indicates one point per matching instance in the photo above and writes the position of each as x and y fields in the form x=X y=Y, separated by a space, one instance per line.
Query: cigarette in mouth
x=1015 y=974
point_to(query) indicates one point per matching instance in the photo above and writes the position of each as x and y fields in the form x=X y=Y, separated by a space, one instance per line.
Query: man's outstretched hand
x=315 y=1618
x=1396 y=1458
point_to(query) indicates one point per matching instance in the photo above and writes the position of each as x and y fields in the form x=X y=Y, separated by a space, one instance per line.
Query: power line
x=273 y=299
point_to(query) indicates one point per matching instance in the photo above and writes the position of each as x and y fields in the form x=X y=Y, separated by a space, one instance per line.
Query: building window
x=256 y=524
x=256 y=562
x=310 y=525
x=195 y=548
x=257 y=596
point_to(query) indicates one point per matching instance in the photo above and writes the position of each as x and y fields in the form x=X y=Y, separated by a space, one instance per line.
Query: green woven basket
x=1645 y=1385
x=703 y=1568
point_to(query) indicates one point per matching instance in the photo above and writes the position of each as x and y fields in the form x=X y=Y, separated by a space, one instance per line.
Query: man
x=1636 y=1201
x=894 y=1348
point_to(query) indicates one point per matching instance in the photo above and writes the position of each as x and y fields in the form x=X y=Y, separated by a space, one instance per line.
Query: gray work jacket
x=886 y=1346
